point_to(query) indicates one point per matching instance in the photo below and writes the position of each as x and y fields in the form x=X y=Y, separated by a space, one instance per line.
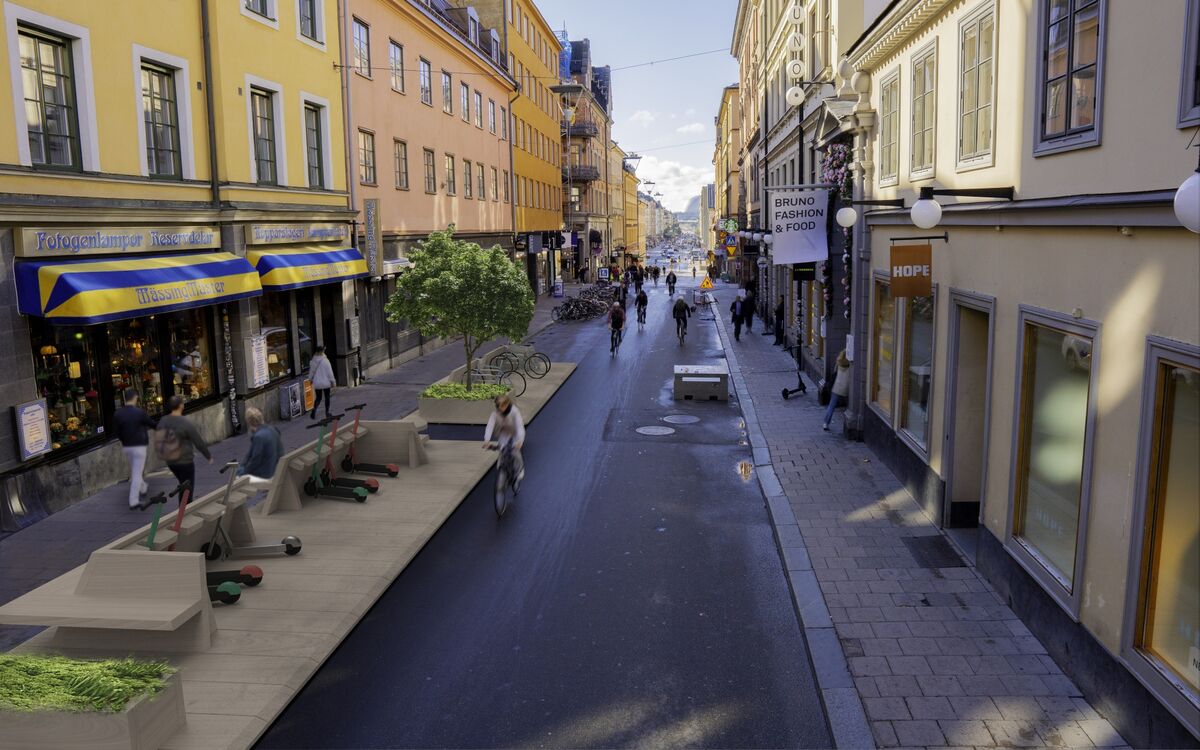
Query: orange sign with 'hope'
x=912 y=270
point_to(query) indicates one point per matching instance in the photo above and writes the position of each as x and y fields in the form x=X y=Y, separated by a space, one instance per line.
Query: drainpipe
x=347 y=103
x=512 y=168
x=206 y=37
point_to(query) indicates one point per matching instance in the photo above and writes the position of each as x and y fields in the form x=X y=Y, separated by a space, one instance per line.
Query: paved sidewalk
x=63 y=541
x=935 y=656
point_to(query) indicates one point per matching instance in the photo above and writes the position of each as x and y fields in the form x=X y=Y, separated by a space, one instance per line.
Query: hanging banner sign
x=912 y=270
x=374 y=233
x=799 y=219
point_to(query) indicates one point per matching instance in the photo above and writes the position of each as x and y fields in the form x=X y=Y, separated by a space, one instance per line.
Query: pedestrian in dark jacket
x=133 y=426
x=738 y=312
x=779 y=315
x=176 y=441
x=266 y=446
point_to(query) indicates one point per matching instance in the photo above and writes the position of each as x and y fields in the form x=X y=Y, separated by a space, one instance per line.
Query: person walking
x=841 y=387
x=737 y=310
x=266 y=446
x=671 y=279
x=176 y=441
x=779 y=314
x=133 y=426
x=320 y=372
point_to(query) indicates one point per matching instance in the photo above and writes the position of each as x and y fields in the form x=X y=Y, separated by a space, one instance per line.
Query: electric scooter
x=350 y=462
x=223 y=592
x=329 y=475
x=214 y=550
x=317 y=485
x=800 y=387
x=184 y=490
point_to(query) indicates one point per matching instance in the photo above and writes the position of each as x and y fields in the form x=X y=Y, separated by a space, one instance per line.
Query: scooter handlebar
x=180 y=488
x=327 y=420
x=356 y=407
x=229 y=465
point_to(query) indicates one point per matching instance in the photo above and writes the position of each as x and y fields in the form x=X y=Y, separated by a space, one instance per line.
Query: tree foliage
x=457 y=288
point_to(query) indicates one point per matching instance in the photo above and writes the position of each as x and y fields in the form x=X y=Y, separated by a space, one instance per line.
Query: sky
x=658 y=107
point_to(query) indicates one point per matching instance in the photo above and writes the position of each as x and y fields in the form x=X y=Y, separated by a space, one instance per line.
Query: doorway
x=968 y=397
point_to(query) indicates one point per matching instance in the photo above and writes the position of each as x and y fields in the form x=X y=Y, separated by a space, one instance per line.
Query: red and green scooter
x=224 y=589
x=350 y=462
x=324 y=482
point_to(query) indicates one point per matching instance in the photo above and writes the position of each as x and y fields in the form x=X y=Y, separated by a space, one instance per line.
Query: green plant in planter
x=56 y=683
x=481 y=392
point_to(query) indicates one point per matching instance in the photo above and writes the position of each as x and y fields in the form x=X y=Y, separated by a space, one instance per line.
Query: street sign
x=706 y=284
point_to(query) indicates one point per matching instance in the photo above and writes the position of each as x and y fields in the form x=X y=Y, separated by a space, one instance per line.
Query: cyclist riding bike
x=616 y=322
x=680 y=311
x=640 y=303
x=508 y=428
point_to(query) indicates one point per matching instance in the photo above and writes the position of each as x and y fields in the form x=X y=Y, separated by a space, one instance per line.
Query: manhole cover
x=655 y=430
x=681 y=419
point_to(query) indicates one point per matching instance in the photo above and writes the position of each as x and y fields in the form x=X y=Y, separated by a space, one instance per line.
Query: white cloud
x=643 y=117
x=676 y=181
x=694 y=128
x=691 y=111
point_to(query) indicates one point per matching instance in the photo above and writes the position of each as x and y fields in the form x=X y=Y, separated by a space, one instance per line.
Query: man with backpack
x=176 y=441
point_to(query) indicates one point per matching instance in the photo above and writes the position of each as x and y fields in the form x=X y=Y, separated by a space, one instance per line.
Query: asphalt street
x=633 y=596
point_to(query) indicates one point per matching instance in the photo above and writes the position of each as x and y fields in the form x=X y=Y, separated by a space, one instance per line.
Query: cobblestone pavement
x=936 y=657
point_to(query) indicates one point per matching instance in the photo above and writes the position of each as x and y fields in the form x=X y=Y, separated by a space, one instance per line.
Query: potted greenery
x=55 y=701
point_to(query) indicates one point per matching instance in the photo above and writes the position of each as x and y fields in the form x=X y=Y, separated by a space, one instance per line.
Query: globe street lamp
x=846 y=216
x=1187 y=201
x=927 y=212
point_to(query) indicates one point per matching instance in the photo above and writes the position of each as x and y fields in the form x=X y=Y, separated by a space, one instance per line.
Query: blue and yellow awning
x=82 y=292
x=306 y=265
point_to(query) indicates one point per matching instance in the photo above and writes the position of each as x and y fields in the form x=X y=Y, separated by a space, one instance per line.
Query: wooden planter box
x=455 y=411
x=145 y=724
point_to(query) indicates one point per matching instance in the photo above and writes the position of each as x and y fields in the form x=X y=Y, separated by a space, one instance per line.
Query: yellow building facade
x=616 y=203
x=210 y=168
x=629 y=194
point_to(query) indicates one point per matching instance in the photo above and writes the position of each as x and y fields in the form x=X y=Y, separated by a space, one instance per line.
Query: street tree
x=457 y=288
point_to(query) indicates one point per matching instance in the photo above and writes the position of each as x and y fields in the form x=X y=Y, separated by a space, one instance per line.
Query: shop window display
x=134 y=352
x=191 y=364
x=275 y=320
x=306 y=326
x=884 y=350
x=918 y=367
x=67 y=371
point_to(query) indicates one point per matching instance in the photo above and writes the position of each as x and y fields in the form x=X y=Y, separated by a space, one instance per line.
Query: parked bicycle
x=514 y=381
x=523 y=358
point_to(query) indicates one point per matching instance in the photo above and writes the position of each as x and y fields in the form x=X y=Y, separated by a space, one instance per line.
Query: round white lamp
x=926 y=213
x=758 y=236
x=846 y=217
x=795 y=96
x=769 y=239
x=1187 y=202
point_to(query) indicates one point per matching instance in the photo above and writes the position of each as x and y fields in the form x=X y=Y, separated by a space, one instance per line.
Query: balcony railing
x=581 y=173
x=588 y=129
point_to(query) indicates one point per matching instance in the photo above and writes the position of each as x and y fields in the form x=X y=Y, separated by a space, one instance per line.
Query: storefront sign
x=259 y=374
x=912 y=270
x=798 y=221
x=280 y=234
x=353 y=332
x=309 y=396
x=804 y=272
x=33 y=428
x=374 y=234
x=34 y=242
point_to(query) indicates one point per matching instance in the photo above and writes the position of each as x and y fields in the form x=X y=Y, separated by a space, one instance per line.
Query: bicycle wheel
x=505 y=361
x=502 y=492
x=537 y=365
x=515 y=382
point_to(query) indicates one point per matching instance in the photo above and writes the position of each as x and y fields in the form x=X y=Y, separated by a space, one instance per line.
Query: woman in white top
x=320 y=372
x=508 y=428
x=841 y=387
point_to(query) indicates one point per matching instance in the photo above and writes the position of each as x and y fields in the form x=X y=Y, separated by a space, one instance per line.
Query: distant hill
x=692 y=212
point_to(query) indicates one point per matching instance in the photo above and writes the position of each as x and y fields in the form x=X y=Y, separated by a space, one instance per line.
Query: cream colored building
x=725 y=160
x=1049 y=387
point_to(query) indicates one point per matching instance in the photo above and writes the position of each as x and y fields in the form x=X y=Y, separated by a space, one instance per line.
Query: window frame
x=183 y=108
x=318 y=22
x=919 y=59
x=1189 y=108
x=481 y=180
x=368 y=173
x=977 y=159
x=492 y=116
x=450 y=168
x=395 y=74
x=1072 y=139
x=503 y=124
x=478 y=102
x=507 y=186
x=271 y=18
x=447 y=92
x=1177 y=696
x=315 y=109
x=356 y=59
x=276 y=92
x=1029 y=559
x=464 y=101
x=425 y=80
x=429 y=170
x=903 y=323
x=495 y=185
x=468 y=184
x=893 y=178
x=400 y=164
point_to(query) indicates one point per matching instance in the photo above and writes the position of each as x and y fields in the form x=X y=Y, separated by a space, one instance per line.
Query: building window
x=481 y=183
x=1189 y=91
x=451 y=176
x=495 y=185
x=160 y=117
x=889 y=132
x=262 y=110
x=50 y=110
x=396 y=66
x=918 y=368
x=478 y=110
x=492 y=116
x=1167 y=616
x=400 y=164
x=308 y=19
x=314 y=149
x=426 y=82
x=366 y=157
x=1070 y=72
x=1052 y=437
x=464 y=103
x=976 y=90
x=924 y=115
x=362 y=48
x=883 y=348
x=507 y=187
x=261 y=7
x=447 y=94
x=468 y=190
x=430 y=172
x=503 y=124
x=275 y=321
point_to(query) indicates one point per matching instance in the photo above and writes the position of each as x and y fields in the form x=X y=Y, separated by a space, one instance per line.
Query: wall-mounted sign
x=798 y=221
x=36 y=242
x=33 y=428
x=374 y=234
x=912 y=270
x=804 y=272
x=731 y=225
x=259 y=373
x=280 y=234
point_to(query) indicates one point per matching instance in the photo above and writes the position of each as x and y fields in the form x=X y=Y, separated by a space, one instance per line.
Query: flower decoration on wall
x=836 y=170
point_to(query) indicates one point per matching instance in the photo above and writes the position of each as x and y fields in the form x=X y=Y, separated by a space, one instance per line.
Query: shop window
x=67 y=372
x=918 y=368
x=883 y=349
x=135 y=362
x=306 y=326
x=814 y=313
x=1055 y=389
x=191 y=350
x=1168 y=616
x=275 y=323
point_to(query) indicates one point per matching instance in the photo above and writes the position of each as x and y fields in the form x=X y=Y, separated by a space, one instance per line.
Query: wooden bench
x=120 y=600
x=701 y=383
